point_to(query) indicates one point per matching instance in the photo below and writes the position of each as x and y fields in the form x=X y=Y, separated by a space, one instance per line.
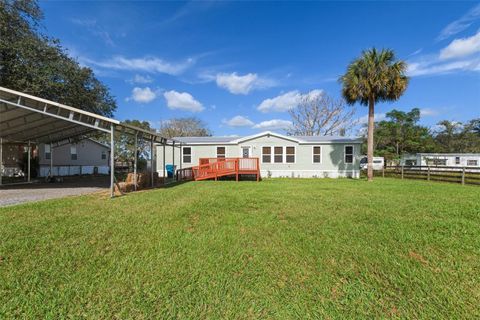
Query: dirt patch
x=418 y=257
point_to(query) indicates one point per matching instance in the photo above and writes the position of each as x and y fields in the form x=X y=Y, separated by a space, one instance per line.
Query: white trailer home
x=279 y=155
x=378 y=163
x=468 y=160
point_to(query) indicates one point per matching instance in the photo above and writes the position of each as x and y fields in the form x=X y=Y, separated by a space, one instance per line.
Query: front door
x=246 y=152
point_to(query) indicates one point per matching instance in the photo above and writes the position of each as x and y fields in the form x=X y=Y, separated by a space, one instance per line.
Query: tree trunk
x=371 y=121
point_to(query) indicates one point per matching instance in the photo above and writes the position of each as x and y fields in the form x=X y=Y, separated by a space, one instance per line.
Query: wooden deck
x=213 y=168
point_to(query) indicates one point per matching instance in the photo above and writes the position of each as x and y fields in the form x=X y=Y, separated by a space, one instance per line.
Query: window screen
x=278 y=154
x=348 y=154
x=187 y=155
x=317 y=154
x=266 y=154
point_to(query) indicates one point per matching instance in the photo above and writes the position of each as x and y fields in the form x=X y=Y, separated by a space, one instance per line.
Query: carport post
x=51 y=160
x=181 y=154
x=112 y=161
x=163 y=163
x=1 y=160
x=151 y=161
x=28 y=159
x=135 y=162
x=173 y=158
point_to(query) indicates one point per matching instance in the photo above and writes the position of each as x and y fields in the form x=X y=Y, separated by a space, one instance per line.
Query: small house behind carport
x=87 y=156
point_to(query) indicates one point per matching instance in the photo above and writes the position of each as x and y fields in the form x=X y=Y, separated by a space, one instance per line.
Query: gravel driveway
x=71 y=186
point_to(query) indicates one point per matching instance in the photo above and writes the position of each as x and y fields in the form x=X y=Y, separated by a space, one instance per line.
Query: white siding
x=332 y=164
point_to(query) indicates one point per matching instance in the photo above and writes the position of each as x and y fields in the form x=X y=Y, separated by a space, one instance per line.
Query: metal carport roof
x=26 y=118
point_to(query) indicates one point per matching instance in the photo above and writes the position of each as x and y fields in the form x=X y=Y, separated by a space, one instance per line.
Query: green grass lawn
x=287 y=248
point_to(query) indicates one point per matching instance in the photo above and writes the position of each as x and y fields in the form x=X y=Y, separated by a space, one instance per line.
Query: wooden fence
x=461 y=175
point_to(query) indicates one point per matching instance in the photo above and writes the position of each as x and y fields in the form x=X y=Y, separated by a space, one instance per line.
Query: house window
x=267 y=154
x=410 y=162
x=104 y=155
x=348 y=154
x=472 y=162
x=73 y=152
x=457 y=160
x=436 y=162
x=278 y=154
x=220 y=152
x=48 y=152
x=187 y=155
x=290 y=154
x=317 y=154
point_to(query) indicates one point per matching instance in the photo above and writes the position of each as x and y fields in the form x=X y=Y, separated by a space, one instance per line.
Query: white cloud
x=84 y=22
x=427 y=112
x=238 y=121
x=418 y=51
x=140 y=79
x=461 y=55
x=182 y=101
x=142 y=95
x=377 y=116
x=460 y=24
x=286 y=101
x=275 y=124
x=433 y=67
x=238 y=84
x=147 y=64
x=95 y=29
x=459 y=48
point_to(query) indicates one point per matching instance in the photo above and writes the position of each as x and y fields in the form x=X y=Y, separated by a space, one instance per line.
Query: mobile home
x=442 y=160
x=279 y=155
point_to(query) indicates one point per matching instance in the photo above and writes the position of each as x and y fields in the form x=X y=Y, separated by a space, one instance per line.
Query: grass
x=281 y=248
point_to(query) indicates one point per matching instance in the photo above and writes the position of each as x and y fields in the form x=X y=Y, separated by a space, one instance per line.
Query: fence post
x=428 y=174
x=463 y=176
x=402 y=171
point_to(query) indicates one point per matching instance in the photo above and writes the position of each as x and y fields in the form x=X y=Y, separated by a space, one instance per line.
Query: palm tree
x=374 y=77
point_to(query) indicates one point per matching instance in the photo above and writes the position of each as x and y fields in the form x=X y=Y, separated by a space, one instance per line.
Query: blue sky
x=239 y=65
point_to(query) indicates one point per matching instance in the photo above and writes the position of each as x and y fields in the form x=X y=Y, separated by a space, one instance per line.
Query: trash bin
x=170 y=170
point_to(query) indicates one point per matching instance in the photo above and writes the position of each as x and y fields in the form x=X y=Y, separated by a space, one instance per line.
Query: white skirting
x=72 y=170
x=310 y=174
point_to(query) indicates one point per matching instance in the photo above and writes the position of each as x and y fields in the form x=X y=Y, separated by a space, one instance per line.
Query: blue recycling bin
x=170 y=170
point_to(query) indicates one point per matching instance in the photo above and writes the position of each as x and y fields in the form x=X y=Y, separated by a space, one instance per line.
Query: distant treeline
x=400 y=133
x=33 y=63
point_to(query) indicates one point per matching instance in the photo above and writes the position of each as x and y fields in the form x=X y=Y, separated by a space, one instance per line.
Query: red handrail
x=216 y=167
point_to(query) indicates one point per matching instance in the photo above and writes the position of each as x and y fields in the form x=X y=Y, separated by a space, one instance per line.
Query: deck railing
x=185 y=174
x=217 y=167
x=244 y=164
x=248 y=164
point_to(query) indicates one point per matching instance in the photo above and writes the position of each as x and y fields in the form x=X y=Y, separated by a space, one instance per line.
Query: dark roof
x=327 y=138
x=205 y=139
x=237 y=139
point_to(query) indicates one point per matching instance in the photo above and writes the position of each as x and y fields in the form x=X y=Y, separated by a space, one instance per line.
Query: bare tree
x=184 y=127
x=320 y=115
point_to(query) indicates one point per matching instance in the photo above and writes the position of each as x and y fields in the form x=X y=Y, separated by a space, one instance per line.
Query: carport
x=28 y=119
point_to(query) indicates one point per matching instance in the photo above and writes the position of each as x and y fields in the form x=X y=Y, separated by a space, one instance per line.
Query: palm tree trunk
x=371 y=121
